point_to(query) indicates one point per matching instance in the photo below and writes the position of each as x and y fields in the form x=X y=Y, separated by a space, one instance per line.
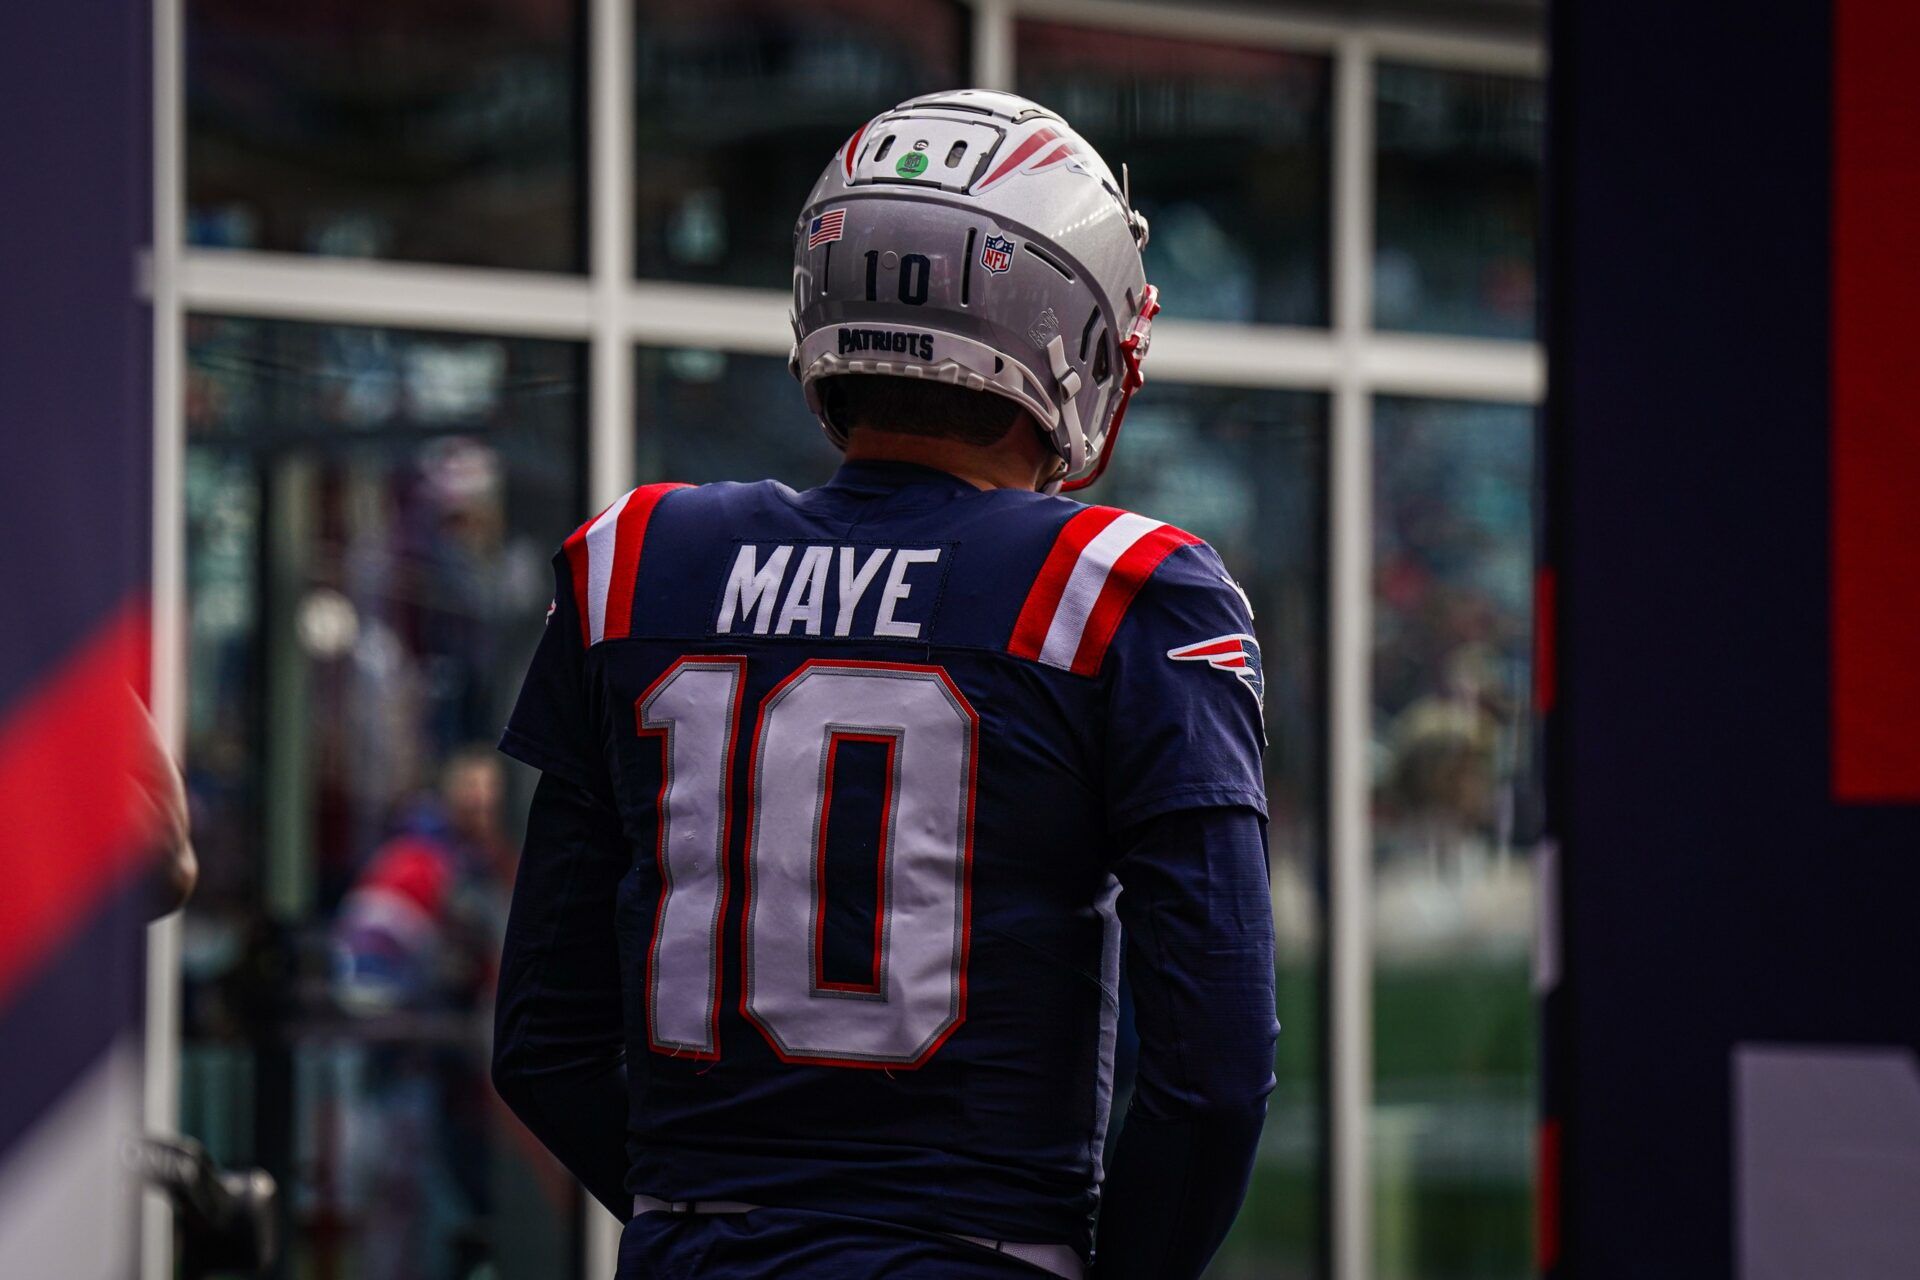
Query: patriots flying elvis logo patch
x=1238 y=655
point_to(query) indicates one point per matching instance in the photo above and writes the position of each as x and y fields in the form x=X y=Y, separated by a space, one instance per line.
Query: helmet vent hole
x=1051 y=261
x=1086 y=334
x=1102 y=364
x=998 y=364
x=954 y=153
x=886 y=145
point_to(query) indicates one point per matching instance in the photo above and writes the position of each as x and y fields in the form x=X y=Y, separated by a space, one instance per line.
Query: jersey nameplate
x=848 y=592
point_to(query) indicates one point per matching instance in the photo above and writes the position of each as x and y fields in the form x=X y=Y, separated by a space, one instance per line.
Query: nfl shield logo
x=997 y=254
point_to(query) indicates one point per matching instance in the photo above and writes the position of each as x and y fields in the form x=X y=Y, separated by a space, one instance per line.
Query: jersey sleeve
x=552 y=725
x=1184 y=695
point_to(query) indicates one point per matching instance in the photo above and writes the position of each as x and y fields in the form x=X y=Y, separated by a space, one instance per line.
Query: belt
x=1055 y=1259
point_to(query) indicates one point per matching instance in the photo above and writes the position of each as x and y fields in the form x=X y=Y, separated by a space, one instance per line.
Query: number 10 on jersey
x=919 y=989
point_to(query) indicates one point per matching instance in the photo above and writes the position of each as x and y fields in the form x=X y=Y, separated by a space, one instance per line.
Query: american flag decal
x=825 y=229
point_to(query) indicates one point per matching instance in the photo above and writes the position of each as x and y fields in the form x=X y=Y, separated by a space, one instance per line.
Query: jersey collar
x=885 y=477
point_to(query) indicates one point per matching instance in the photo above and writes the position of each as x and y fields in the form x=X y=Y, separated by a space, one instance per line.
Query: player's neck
x=1015 y=463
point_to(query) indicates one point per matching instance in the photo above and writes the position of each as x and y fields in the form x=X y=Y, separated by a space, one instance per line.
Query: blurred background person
x=415 y=944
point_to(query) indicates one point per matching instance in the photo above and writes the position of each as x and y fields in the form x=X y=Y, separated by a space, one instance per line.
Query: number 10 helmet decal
x=973 y=238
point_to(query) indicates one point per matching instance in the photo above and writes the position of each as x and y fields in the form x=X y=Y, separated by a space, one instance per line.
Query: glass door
x=370 y=514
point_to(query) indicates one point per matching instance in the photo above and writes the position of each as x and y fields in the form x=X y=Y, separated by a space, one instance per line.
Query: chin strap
x=1069 y=384
x=1133 y=353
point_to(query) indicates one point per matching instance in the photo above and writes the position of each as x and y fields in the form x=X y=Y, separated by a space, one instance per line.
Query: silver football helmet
x=973 y=238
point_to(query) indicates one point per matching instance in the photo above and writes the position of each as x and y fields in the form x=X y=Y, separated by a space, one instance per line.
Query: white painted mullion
x=610 y=372
x=1350 y=647
x=610 y=418
x=1427 y=365
x=726 y=317
x=167 y=674
x=993 y=44
x=1239 y=355
x=406 y=295
x=1460 y=51
x=1197 y=22
x=1431 y=44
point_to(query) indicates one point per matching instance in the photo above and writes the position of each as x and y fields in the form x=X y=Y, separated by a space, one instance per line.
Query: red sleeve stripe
x=1043 y=599
x=1130 y=572
x=603 y=556
x=630 y=532
x=1100 y=560
x=576 y=552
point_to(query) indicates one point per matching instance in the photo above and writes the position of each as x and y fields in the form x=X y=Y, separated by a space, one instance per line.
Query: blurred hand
x=161 y=796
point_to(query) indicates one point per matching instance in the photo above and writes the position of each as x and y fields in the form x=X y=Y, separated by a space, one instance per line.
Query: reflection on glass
x=742 y=103
x=1453 y=810
x=1457 y=220
x=430 y=132
x=370 y=515
x=710 y=415
x=1246 y=471
x=1227 y=146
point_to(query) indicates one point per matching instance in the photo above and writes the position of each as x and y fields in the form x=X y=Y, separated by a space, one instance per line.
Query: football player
x=849 y=796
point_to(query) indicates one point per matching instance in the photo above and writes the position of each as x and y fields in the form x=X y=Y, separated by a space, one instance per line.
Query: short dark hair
x=915 y=407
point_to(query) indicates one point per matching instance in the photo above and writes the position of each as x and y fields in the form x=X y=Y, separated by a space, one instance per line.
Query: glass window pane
x=369 y=520
x=1456 y=227
x=742 y=103
x=1453 y=818
x=436 y=132
x=1228 y=148
x=712 y=415
x=1246 y=470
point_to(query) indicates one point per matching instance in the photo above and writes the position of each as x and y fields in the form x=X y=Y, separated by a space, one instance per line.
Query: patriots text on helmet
x=912 y=344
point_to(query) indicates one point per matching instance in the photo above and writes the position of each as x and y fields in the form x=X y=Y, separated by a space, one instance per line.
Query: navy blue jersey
x=871 y=748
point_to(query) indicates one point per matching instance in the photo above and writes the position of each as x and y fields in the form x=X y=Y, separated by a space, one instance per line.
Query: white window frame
x=610 y=311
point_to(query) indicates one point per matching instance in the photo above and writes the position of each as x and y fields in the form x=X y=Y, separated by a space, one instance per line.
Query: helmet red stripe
x=1034 y=141
x=852 y=151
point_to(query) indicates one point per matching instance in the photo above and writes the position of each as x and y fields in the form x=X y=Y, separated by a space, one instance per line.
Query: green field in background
x=1454 y=1044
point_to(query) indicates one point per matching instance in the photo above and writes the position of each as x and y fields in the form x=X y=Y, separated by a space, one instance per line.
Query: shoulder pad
x=603 y=556
x=1101 y=558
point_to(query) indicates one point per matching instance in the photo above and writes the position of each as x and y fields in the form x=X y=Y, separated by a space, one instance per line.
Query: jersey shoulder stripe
x=603 y=556
x=1100 y=559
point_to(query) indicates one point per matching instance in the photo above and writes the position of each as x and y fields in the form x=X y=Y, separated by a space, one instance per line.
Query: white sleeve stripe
x=600 y=546
x=1083 y=586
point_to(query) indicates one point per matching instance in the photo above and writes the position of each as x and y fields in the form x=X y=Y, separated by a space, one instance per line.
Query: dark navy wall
x=75 y=434
x=75 y=477
x=1713 y=891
